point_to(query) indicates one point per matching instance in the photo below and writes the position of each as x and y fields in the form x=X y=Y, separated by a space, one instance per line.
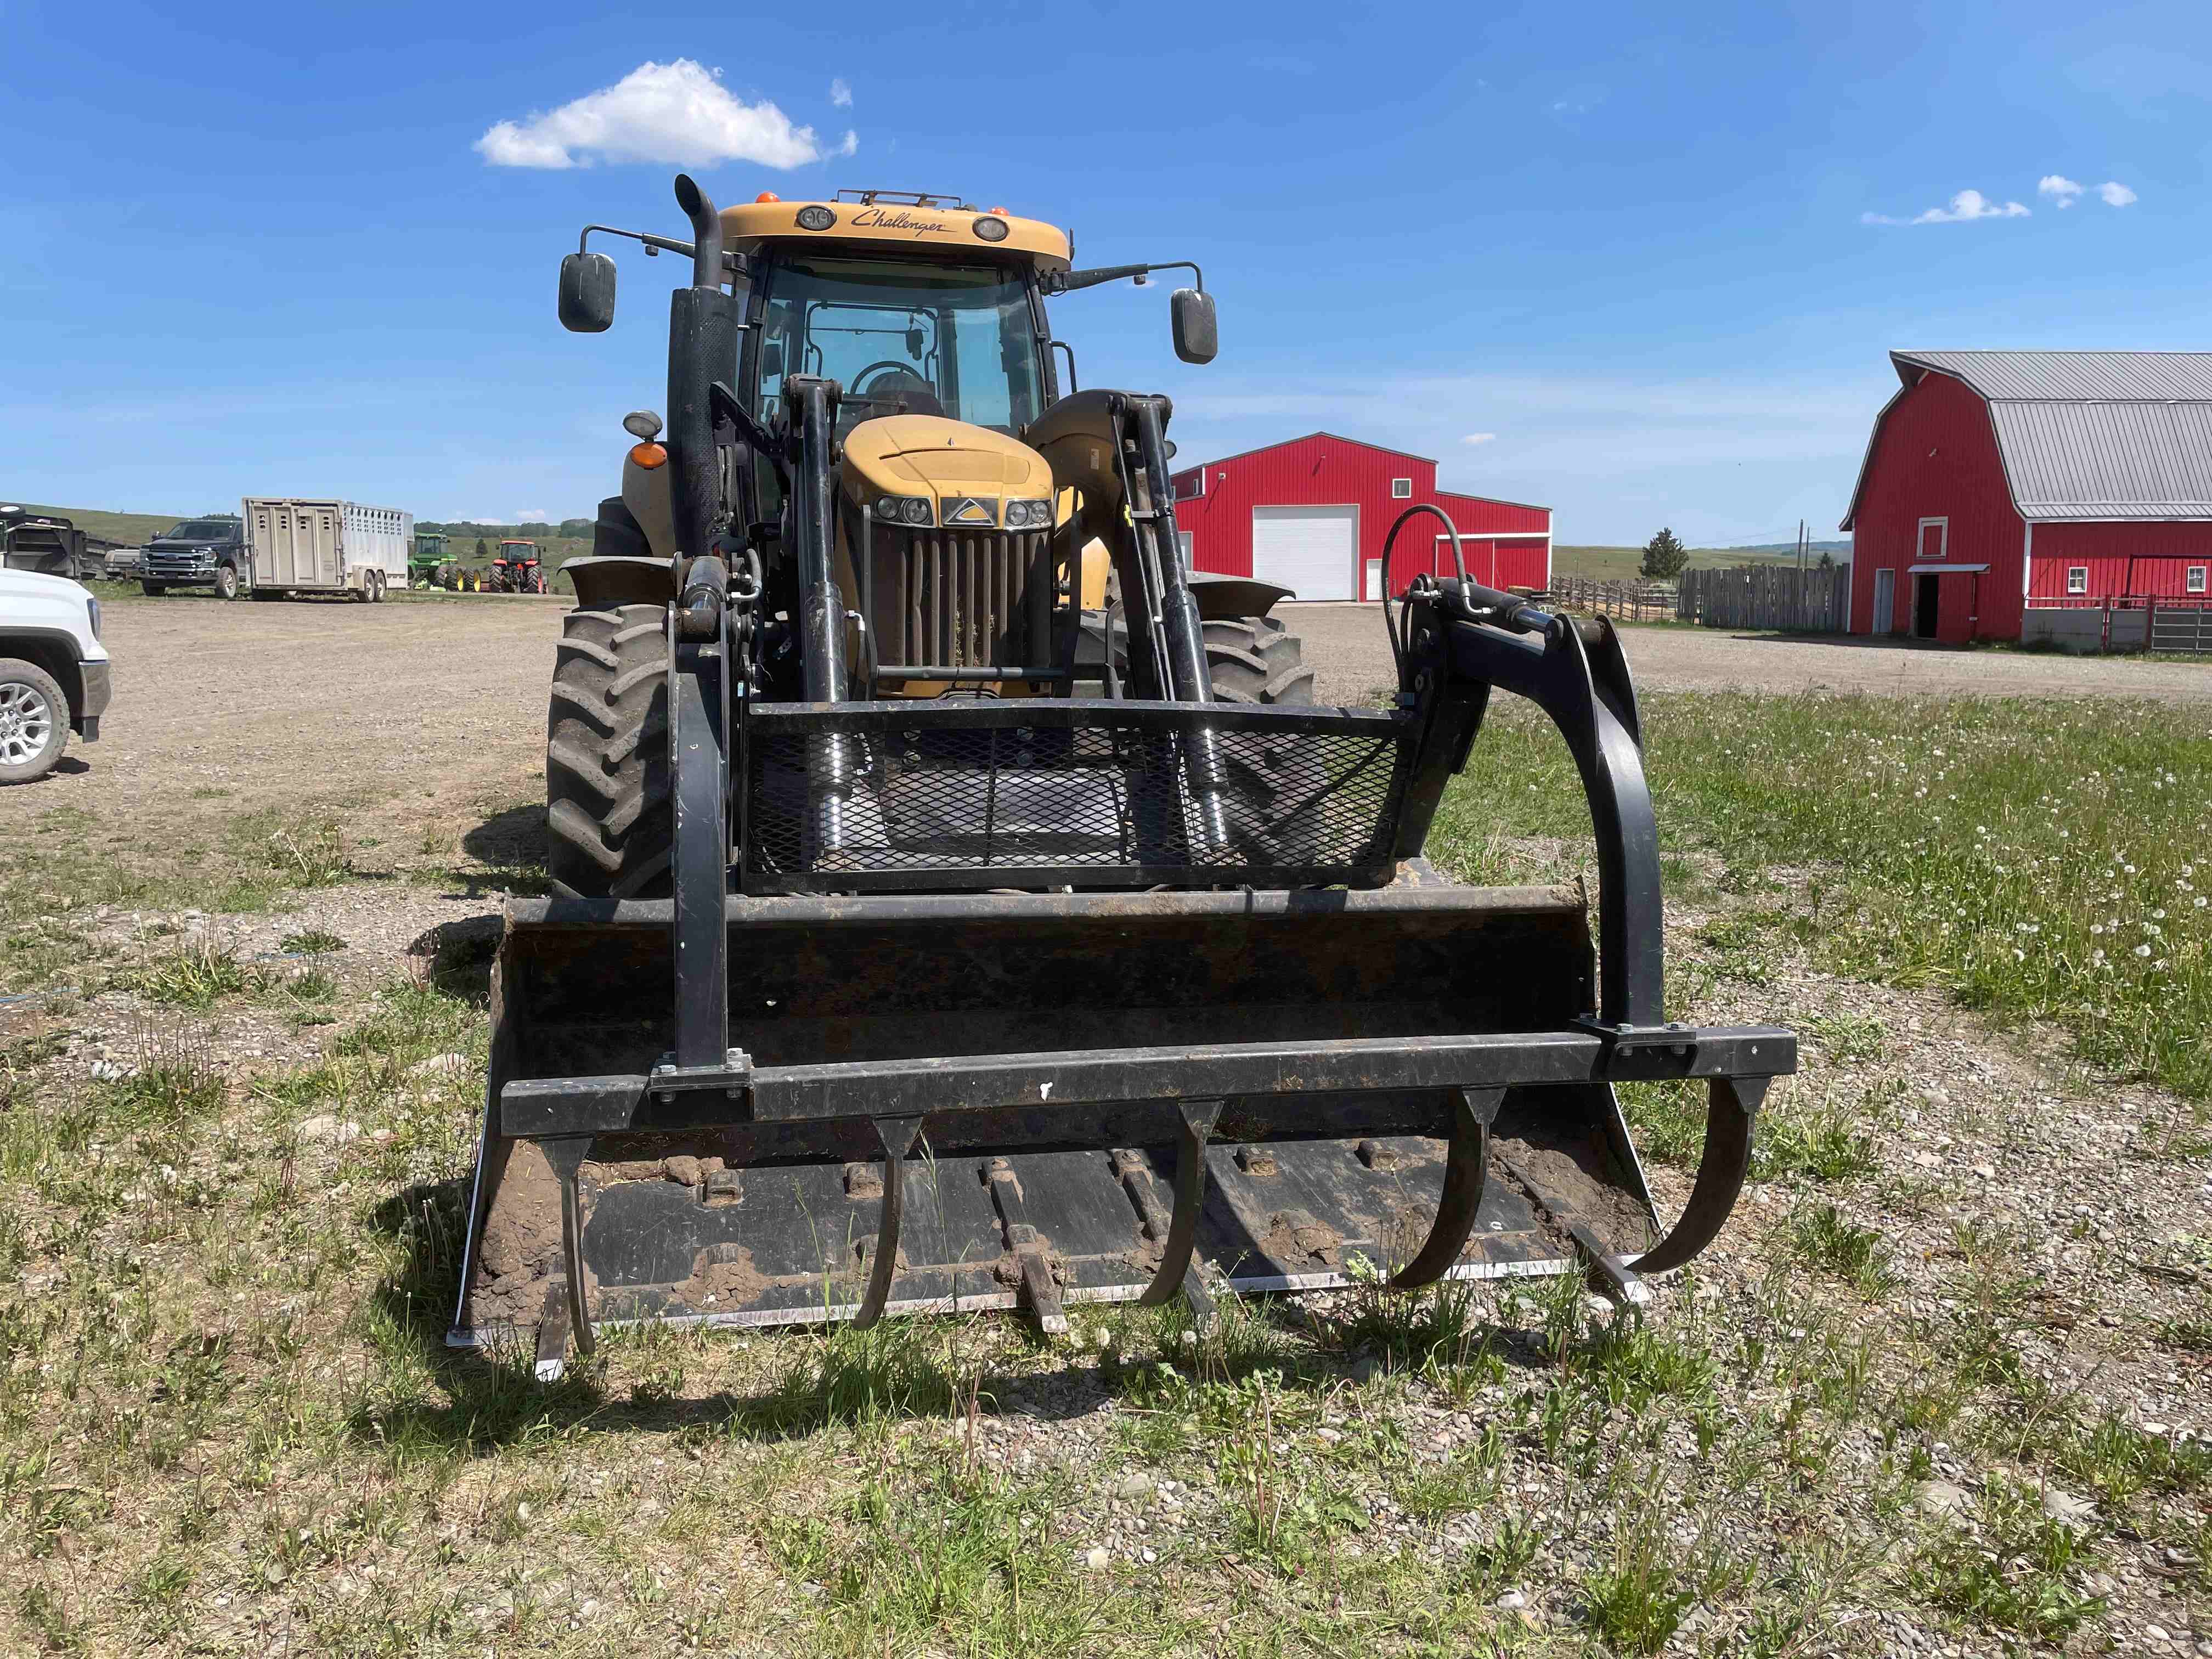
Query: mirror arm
x=732 y=263
x=1066 y=281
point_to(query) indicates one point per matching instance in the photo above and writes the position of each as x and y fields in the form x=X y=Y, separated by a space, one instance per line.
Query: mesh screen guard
x=979 y=793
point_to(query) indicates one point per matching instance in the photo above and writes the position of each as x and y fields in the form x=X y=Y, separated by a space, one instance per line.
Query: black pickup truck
x=208 y=552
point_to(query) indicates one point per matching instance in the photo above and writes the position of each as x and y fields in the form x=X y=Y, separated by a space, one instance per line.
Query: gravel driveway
x=1347 y=644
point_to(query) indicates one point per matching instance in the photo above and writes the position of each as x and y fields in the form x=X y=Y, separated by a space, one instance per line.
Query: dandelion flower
x=2142 y=950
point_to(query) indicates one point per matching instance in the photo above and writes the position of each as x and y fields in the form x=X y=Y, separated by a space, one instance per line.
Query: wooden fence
x=1812 y=601
x=1636 y=601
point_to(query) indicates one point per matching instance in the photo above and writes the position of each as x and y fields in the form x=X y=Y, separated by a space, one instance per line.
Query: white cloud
x=2115 y=193
x=2058 y=187
x=841 y=94
x=677 y=112
x=530 y=515
x=1478 y=438
x=1966 y=204
x=847 y=144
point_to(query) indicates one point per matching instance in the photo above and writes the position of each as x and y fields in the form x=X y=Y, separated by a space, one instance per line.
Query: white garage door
x=1306 y=549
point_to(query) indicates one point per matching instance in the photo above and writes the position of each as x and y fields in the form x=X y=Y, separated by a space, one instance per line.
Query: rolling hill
x=1614 y=565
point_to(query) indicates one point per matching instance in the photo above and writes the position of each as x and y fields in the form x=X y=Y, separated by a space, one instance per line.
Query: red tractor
x=515 y=569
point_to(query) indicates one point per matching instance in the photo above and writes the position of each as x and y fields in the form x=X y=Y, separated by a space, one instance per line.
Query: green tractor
x=425 y=563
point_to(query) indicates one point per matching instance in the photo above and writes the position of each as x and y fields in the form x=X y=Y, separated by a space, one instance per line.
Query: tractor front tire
x=1256 y=660
x=611 y=828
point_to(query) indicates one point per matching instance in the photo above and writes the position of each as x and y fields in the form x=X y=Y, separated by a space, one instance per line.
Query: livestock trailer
x=296 y=546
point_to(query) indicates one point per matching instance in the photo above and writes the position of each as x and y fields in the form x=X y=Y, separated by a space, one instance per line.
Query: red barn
x=1997 y=482
x=1312 y=513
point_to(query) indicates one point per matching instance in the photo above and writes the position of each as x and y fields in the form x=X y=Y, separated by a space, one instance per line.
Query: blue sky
x=262 y=250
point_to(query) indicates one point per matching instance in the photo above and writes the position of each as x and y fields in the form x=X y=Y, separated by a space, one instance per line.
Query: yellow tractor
x=958 y=905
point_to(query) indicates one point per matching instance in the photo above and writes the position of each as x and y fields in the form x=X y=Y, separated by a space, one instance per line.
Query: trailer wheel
x=35 y=720
x=1256 y=660
x=610 y=826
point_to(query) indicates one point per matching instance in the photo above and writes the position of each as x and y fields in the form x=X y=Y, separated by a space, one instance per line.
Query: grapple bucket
x=990 y=1100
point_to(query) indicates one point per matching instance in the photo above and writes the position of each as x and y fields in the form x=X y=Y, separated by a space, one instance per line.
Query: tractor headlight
x=1028 y=515
x=904 y=509
x=815 y=217
x=992 y=227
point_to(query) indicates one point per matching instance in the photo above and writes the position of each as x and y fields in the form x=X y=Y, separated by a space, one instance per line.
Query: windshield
x=199 y=530
x=954 y=340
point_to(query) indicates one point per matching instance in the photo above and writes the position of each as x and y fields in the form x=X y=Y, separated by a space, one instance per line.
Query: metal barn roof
x=2088 y=435
x=2071 y=376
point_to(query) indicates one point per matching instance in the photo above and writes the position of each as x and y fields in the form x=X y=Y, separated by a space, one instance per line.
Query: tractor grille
x=963 y=792
x=961 y=600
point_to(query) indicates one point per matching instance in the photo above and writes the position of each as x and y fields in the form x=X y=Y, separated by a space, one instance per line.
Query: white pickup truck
x=53 y=672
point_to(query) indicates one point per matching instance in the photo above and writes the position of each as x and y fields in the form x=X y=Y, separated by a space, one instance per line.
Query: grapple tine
x=897 y=1135
x=1466 y=1165
x=566 y=1158
x=551 y=1358
x=1199 y=1117
x=1732 y=1104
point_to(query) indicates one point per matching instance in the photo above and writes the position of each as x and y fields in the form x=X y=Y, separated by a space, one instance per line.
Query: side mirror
x=1196 y=338
x=587 y=292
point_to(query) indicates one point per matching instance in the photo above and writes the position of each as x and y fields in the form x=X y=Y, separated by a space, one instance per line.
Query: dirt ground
x=397 y=713
x=1347 y=642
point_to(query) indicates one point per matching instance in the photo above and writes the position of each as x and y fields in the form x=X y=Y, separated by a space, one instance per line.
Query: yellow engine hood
x=946 y=460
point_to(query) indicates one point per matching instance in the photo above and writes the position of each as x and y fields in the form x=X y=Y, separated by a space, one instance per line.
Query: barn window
x=1935 y=536
x=2196 y=579
x=1401 y=489
x=2077 y=579
x=1190 y=486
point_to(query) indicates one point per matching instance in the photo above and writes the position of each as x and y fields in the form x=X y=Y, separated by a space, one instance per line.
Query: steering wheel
x=897 y=378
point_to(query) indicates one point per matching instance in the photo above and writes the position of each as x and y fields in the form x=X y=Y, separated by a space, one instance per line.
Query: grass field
x=1904 y=1407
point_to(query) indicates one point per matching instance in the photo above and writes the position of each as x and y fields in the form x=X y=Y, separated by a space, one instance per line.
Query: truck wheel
x=609 y=827
x=34 y=722
x=226 y=582
x=1256 y=660
x=152 y=590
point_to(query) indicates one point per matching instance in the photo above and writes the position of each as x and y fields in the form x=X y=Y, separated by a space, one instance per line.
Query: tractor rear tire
x=1256 y=660
x=609 y=825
